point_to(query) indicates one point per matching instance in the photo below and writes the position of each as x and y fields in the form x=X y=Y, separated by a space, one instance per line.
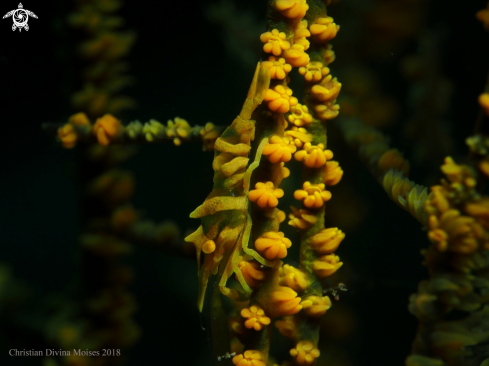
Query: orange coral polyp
x=333 y=173
x=278 y=67
x=301 y=33
x=304 y=353
x=316 y=306
x=312 y=195
x=328 y=54
x=294 y=278
x=287 y=326
x=279 y=150
x=272 y=245
x=327 y=240
x=274 y=42
x=328 y=110
x=296 y=55
x=301 y=219
x=324 y=29
x=285 y=301
x=292 y=9
x=456 y=233
x=299 y=115
x=326 y=265
x=298 y=135
x=265 y=195
x=249 y=358
x=107 y=129
x=314 y=71
x=327 y=90
x=79 y=119
x=255 y=318
x=313 y=156
x=67 y=136
x=458 y=173
x=280 y=99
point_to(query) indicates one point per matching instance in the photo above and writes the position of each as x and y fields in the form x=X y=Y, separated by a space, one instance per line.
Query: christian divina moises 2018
x=52 y=352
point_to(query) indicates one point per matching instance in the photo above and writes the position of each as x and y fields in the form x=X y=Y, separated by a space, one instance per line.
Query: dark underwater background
x=185 y=64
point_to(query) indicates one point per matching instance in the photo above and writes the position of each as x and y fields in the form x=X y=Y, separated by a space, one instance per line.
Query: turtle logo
x=20 y=17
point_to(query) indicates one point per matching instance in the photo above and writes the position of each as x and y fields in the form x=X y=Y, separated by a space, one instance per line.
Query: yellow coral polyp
x=304 y=353
x=294 y=278
x=285 y=301
x=332 y=173
x=455 y=232
x=274 y=42
x=457 y=173
x=292 y=9
x=265 y=195
x=152 y=130
x=107 y=129
x=209 y=135
x=327 y=240
x=250 y=358
x=296 y=56
x=312 y=195
x=314 y=71
x=287 y=326
x=279 y=150
x=301 y=219
x=299 y=115
x=298 y=135
x=255 y=318
x=209 y=247
x=178 y=130
x=68 y=136
x=134 y=129
x=479 y=209
x=327 y=90
x=326 y=265
x=438 y=202
x=392 y=159
x=280 y=99
x=316 y=306
x=328 y=54
x=272 y=245
x=278 y=67
x=301 y=33
x=328 y=110
x=251 y=272
x=79 y=119
x=324 y=29
x=313 y=156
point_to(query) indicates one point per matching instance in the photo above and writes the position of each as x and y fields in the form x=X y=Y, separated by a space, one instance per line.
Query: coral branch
x=387 y=165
